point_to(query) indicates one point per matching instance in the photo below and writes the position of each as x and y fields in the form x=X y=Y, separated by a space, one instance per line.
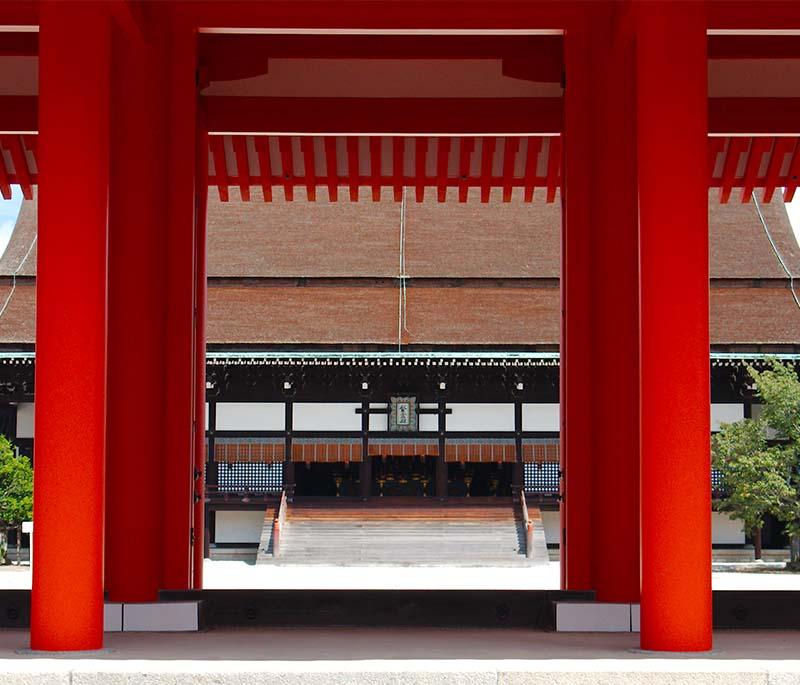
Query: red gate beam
x=365 y=116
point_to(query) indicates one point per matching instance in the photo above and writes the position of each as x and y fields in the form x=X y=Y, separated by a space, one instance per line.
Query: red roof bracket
x=332 y=168
x=265 y=166
x=715 y=146
x=466 y=148
x=398 y=164
x=509 y=160
x=794 y=174
x=307 y=145
x=736 y=148
x=5 y=182
x=20 y=165
x=287 y=166
x=421 y=152
x=531 y=164
x=553 y=168
x=242 y=166
x=220 y=166
x=375 y=167
x=442 y=165
x=782 y=147
x=758 y=148
x=352 y=167
x=487 y=159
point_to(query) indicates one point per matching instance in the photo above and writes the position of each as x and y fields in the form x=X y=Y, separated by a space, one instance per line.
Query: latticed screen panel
x=716 y=480
x=541 y=478
x=253 y=477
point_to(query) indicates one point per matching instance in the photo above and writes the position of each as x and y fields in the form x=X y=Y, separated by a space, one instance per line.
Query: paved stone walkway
x=381 y=656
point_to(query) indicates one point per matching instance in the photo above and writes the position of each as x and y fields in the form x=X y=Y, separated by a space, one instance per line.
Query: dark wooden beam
x=754 y=47
x=407 y=116
x=727 y=116
x=235 y=56
x=754 y=116
x=19 y=113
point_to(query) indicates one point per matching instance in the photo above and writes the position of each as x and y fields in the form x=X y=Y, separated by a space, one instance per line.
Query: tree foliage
x=753 y=477
x=759 y=458
x=16 y=490
x=779 y=388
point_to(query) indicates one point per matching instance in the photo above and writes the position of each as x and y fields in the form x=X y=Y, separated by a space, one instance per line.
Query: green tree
x=779 y=388
x=753 y=475
x=16 y=493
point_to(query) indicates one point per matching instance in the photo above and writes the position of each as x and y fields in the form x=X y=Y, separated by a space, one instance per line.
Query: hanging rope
x=776 y=251
x=402 y=305
x=14 y=276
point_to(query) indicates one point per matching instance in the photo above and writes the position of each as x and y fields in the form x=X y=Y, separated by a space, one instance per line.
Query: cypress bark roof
x=502 y=259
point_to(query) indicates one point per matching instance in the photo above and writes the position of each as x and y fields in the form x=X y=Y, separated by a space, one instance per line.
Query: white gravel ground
x=240 y=574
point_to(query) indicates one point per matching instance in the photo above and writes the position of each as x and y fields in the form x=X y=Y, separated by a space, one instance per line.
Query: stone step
x=346 y=532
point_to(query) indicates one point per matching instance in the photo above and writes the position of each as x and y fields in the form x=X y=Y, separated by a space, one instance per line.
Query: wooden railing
x=526 y=519
x=278 y=525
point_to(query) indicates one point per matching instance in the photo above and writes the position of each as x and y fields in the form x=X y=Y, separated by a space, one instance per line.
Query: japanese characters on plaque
x=403 y=414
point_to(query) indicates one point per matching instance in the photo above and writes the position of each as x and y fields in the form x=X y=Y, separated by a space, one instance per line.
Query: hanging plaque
x=403 y=414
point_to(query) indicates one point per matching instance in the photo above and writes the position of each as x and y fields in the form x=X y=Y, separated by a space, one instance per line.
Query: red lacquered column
x=576 y=340
x=67 y=597
x=137 y=267
x=614 y=314
x=200 y=357
x=673 y=210
x=179 y=345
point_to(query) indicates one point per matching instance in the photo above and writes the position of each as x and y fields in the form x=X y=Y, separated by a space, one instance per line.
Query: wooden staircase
x=464 y=532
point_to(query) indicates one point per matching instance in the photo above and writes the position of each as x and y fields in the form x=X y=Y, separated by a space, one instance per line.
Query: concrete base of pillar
x=597 y=617
x=153 y=617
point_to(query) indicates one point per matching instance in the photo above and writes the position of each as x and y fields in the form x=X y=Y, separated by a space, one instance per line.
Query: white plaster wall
x=326 y=416
x=428 y=422
x=541 y=417
x=725 y=413
x=480 y=417
x=251 y=416
x=25 y=420
x=551 y=520
x=239 y=526
x=725 y=530
x=378 y=422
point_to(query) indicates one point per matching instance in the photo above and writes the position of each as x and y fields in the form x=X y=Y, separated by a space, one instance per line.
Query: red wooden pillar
x=575 y=372
x=67 y=597
x=201 y=274
x=614 y=316
x=600 y=331
x=673 y=210
x=136 y=320
x=179 y=344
